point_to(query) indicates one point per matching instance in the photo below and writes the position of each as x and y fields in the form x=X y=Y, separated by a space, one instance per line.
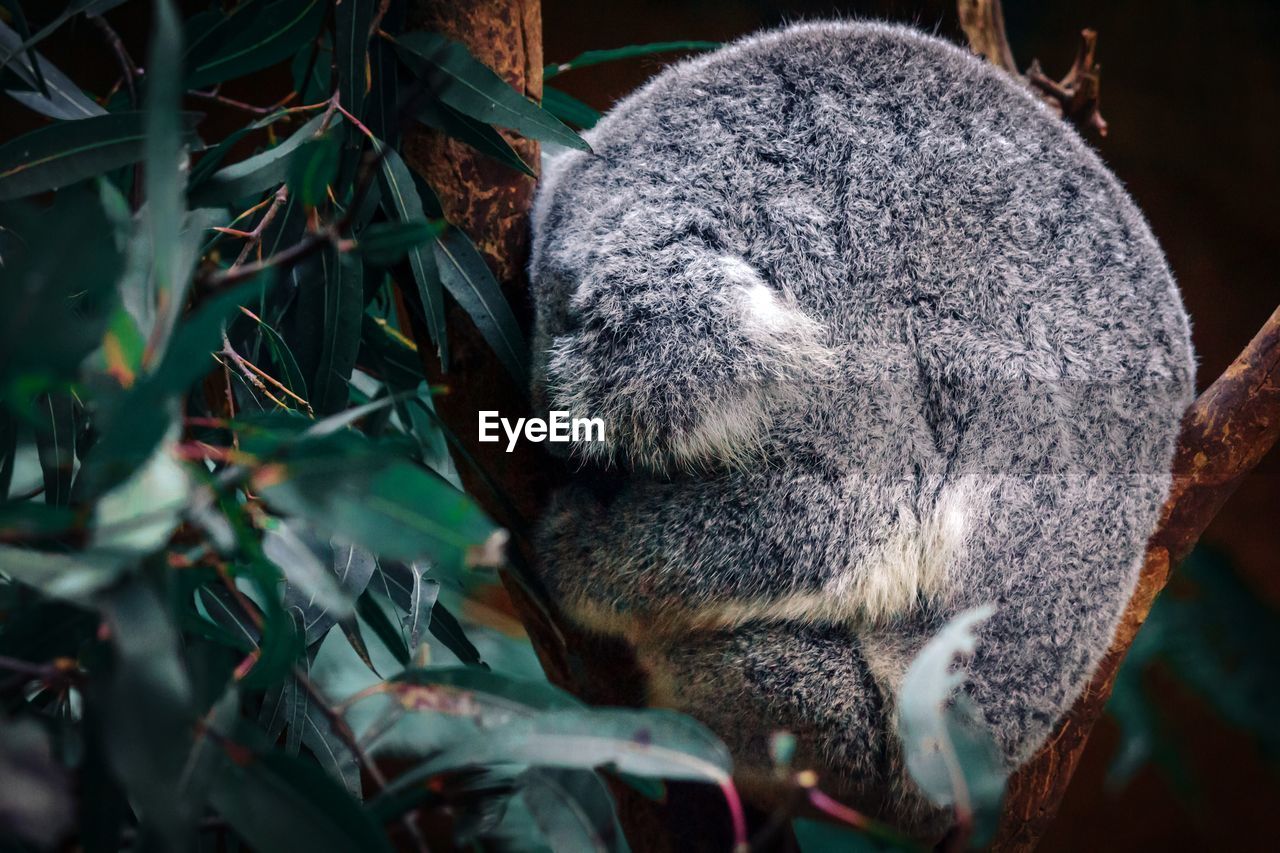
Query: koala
x=876 y=338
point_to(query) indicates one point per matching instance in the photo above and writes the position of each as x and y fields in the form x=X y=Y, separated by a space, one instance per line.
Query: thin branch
x=1075 y=97
x=128 y=67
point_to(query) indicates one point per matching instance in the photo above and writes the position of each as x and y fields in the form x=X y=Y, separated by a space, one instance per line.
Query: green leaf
x=55 y=303
x=342 y=290
x=650 y=743
x=255 y=36
x=409 y=588
x=56 y=433
x=498 y=697
x=468 y=279
x=131 y=425
x=353 y=20
x=376 y=618
x=137 y=517
x=212 y=158
x=20 y=20
x=346 y=485
x=446 y=628
x=148 y=741
x=75 y=576
x=277 y=802
x=165 y=179
x=384 y=243
x=569 y=109
x=313 y=169
x=60 y=98
x=37 y=798
x=466 y=84
x=949 y=754
x=401 y=200
x=324 y=577
x=66 y=152
x=258 y=173
x=477 y=134
x=573 y=810
x=72 y=8
x=595 y=57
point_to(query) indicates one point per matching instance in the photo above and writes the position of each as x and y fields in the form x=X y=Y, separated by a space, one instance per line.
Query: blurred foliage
x=1212 y=634
x=236 y=562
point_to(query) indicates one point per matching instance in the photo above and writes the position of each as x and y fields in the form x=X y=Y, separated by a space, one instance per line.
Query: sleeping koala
x=876 y=338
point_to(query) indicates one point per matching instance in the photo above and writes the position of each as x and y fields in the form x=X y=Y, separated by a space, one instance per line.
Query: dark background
x=1191 y=89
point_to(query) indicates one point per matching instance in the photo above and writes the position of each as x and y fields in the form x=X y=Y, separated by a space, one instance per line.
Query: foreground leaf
x=948 y=753
x=373 y=497
x=402 y=201
x=277 y=802
x=472 y=88
x=66 y=152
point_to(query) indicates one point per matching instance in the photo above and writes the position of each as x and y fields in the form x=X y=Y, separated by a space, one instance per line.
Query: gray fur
x=876 y=337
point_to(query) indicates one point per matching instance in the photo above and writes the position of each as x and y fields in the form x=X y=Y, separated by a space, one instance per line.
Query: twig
x=255 y=236
x=127 y=65
x=215 y=96
x=1075 y=97
x=340 y=727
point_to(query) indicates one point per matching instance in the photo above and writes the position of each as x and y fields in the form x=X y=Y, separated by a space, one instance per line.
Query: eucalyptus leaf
x=352 y=22
x=401 y=199
x=477 y=134
x=949 y=754
x=569 y=109
x=60 y=98
x=256 y=35
x=72 y=575
x=277 y=802
x=596 y=57
x=468 y=279
x=384 y=243
x=349 y=486
x=313 y=168
x=572 y=809
x=66 y=152
x=258 y=173
x=469 y=86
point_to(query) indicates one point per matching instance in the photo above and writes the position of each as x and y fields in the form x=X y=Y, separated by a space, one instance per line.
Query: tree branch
x=1075 y=97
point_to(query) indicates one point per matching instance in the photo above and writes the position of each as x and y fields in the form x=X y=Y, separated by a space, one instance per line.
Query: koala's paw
x=689 y=383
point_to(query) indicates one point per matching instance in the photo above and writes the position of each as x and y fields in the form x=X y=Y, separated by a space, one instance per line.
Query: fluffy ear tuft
x=687 y=373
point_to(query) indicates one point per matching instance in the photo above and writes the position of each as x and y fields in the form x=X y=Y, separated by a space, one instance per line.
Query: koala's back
x=959 y=363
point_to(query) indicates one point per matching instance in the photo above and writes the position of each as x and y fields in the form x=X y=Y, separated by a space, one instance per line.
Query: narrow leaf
x=596 y=57
x=469 y=86
x=66 y=152
x=469 y=280
x=402 y=201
